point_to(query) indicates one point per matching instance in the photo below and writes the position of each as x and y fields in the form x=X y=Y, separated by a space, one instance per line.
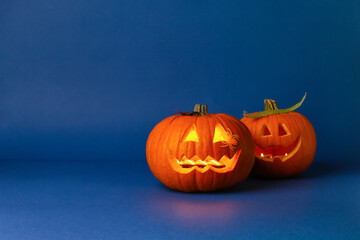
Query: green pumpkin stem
x=270 y=105
x=271 y=108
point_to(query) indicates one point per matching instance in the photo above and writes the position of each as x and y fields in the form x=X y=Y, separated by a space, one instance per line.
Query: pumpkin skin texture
x=180 y=151
x=285 y=144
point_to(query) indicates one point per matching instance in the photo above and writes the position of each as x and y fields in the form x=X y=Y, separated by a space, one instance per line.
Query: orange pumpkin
x=285 y=141
x=196 y=151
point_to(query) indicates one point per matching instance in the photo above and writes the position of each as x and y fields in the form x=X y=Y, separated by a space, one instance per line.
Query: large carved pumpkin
x=197 y=151
x=285 y=141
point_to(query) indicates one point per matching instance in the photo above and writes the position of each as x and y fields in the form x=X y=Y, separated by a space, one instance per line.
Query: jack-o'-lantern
x=197 y=151
x=285 y=141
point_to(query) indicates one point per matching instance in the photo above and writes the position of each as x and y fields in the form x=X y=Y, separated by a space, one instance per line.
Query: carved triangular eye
x=220 y=134
x=283 y=131
x=265 y=131
x=191 y=135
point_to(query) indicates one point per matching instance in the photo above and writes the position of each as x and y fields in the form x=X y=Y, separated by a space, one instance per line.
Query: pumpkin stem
x=270 y=105
x=199 y=110
x=271 y=108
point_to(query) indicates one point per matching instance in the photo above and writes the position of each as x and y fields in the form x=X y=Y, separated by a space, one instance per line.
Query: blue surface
x=103 y=200
x=83 y=82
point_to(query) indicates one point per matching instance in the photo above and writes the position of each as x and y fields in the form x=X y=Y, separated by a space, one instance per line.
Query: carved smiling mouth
x=269 y=154
x=186 y=164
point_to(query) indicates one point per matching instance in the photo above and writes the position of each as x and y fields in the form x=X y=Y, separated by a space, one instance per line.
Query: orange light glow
x=220 y=134
x=192 y=135
x=200 y=163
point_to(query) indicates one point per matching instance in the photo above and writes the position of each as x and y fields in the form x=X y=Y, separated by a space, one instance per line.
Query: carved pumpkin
x=197 y=151
x=285 y=141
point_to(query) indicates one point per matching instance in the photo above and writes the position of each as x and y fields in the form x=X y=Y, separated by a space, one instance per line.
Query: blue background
x=82 y=83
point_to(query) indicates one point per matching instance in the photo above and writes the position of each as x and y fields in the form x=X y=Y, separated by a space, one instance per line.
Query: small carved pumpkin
x=285 y=141
x=196 y=151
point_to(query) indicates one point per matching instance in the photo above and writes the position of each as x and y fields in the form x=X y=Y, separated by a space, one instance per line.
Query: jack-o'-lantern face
x=222 y=141
x=277 y=143
x=197 y=151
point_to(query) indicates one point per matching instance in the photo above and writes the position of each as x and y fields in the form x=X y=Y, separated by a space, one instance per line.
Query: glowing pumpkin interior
x=185 y=164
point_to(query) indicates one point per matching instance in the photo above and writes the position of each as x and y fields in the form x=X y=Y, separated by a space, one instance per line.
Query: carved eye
x=265 y=131
x=283 y=131
x=191 y=135
x=226 y=137
x=220 y=134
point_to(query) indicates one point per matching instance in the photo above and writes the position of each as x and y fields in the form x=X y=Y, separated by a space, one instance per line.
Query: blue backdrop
x=85 y=81
x=90 y=79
